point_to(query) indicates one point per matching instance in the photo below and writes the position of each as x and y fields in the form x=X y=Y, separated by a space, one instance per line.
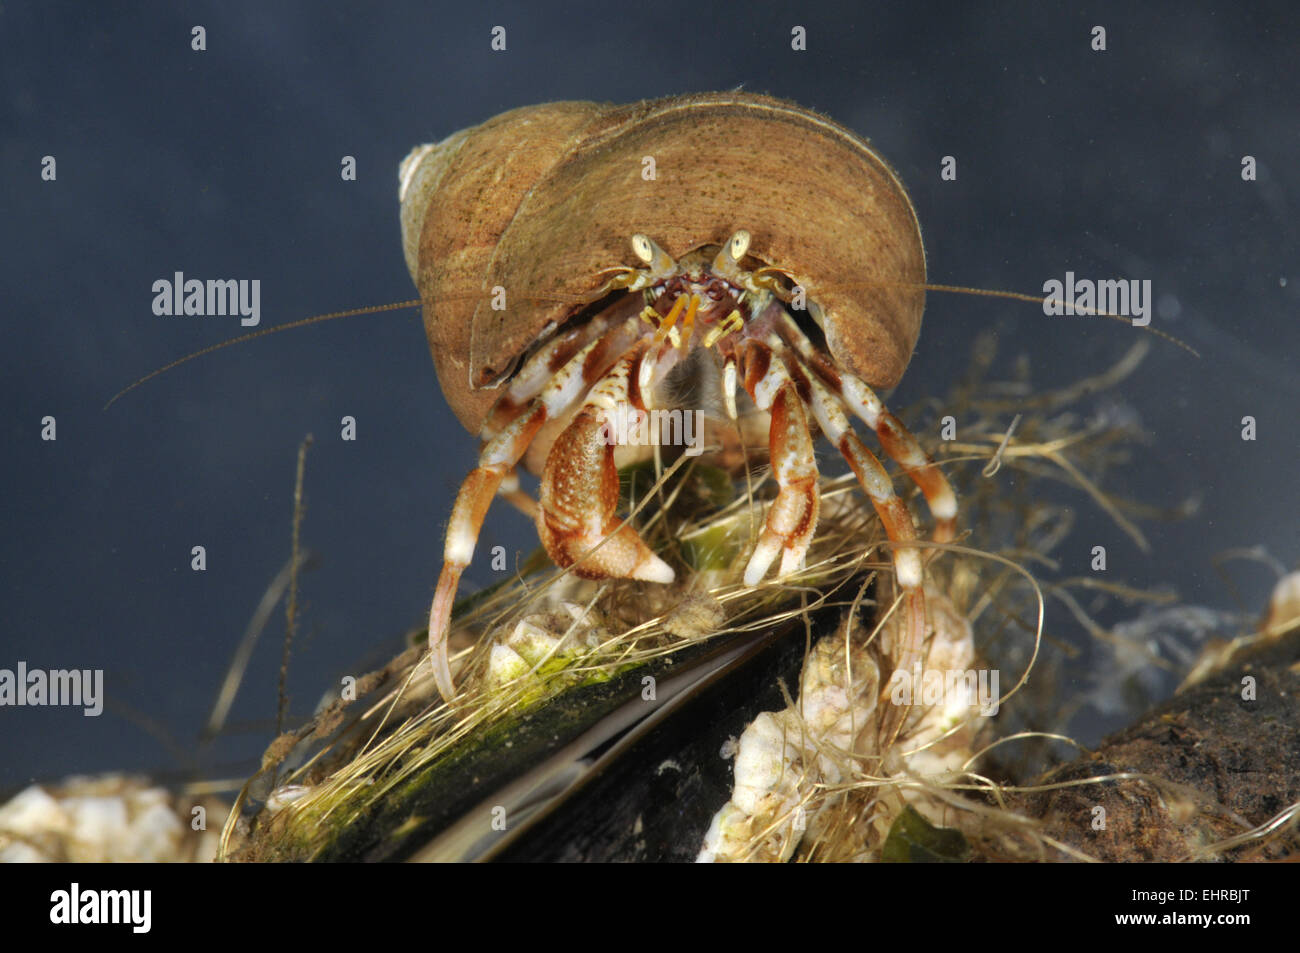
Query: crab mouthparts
x=686 y=307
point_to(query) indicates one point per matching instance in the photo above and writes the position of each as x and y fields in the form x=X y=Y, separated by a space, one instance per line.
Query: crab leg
x=729 y=386
x=894 y=438
x=792 y=519
x=537 y=372
x=497 y=459
x=579 y=492
x=893 y=513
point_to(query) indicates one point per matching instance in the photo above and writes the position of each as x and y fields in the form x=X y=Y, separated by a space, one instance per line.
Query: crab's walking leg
x=496 y=460
x=472 y=502
x=579 y=493
x=901 y=446
x=792 y=520
x=894 y=438
x=534 y=375
x=542 y=366
x=894 y=516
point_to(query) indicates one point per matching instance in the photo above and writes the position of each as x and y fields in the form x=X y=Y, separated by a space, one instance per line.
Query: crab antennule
x=668 y=323
x=688 y=323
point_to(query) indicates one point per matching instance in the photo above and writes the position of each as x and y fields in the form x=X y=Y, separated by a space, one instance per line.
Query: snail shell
x=542 y=201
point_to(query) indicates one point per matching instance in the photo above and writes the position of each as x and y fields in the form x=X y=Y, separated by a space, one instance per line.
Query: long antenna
x=881 y=283
x=1032 y=299
x=303 y=322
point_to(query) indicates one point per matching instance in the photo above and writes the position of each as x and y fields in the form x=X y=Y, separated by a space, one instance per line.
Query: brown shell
x=543 y=201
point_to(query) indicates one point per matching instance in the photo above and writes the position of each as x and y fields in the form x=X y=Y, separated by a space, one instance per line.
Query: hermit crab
x=579 y=261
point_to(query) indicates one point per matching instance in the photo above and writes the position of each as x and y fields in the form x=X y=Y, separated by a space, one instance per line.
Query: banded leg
x=497 y=459
x=792 y=519
x=538 y=370
x=579 y=494
x=894 y=438
x=893 y=512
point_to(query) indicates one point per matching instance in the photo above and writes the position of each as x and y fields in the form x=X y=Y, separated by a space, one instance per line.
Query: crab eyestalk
x=659 y=264
x=726 y=263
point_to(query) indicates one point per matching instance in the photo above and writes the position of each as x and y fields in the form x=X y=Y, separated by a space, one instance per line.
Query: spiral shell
x=542 y=201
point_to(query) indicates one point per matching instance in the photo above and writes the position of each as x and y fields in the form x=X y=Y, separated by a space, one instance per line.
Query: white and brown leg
x=616 y=332
x=538 y=371
x=576 y=518
x=792 y=519
x=497 y=459
x=894 y=517
x=897 y=442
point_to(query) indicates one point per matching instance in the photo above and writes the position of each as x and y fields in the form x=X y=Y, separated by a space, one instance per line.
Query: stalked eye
x=644 y=248
x=739 y=244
